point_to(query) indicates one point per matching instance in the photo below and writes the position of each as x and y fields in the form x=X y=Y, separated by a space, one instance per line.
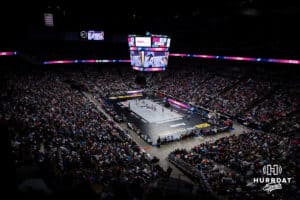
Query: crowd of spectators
x=211 y=88
x=172 y=83
x=287 y=125
x=240 y=97
x=53 y=123
x=280 y=105
x=229 y=164
x=259 y=102
x=106 y=81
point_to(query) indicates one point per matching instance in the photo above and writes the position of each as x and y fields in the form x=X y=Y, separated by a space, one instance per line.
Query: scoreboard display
x=143 y=41
x=149 y=53
x=160 y=42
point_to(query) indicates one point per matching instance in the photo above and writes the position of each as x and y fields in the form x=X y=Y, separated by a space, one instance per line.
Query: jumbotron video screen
x=149 y=53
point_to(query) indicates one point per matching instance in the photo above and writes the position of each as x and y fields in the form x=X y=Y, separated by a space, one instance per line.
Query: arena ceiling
x=263 y=27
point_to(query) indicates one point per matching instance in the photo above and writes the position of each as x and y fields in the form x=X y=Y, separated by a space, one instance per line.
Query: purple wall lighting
x=51 y=62
x=203 y=56
x=134 y=91
x=238 y=58
x=8 y=53
x=181 y=105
